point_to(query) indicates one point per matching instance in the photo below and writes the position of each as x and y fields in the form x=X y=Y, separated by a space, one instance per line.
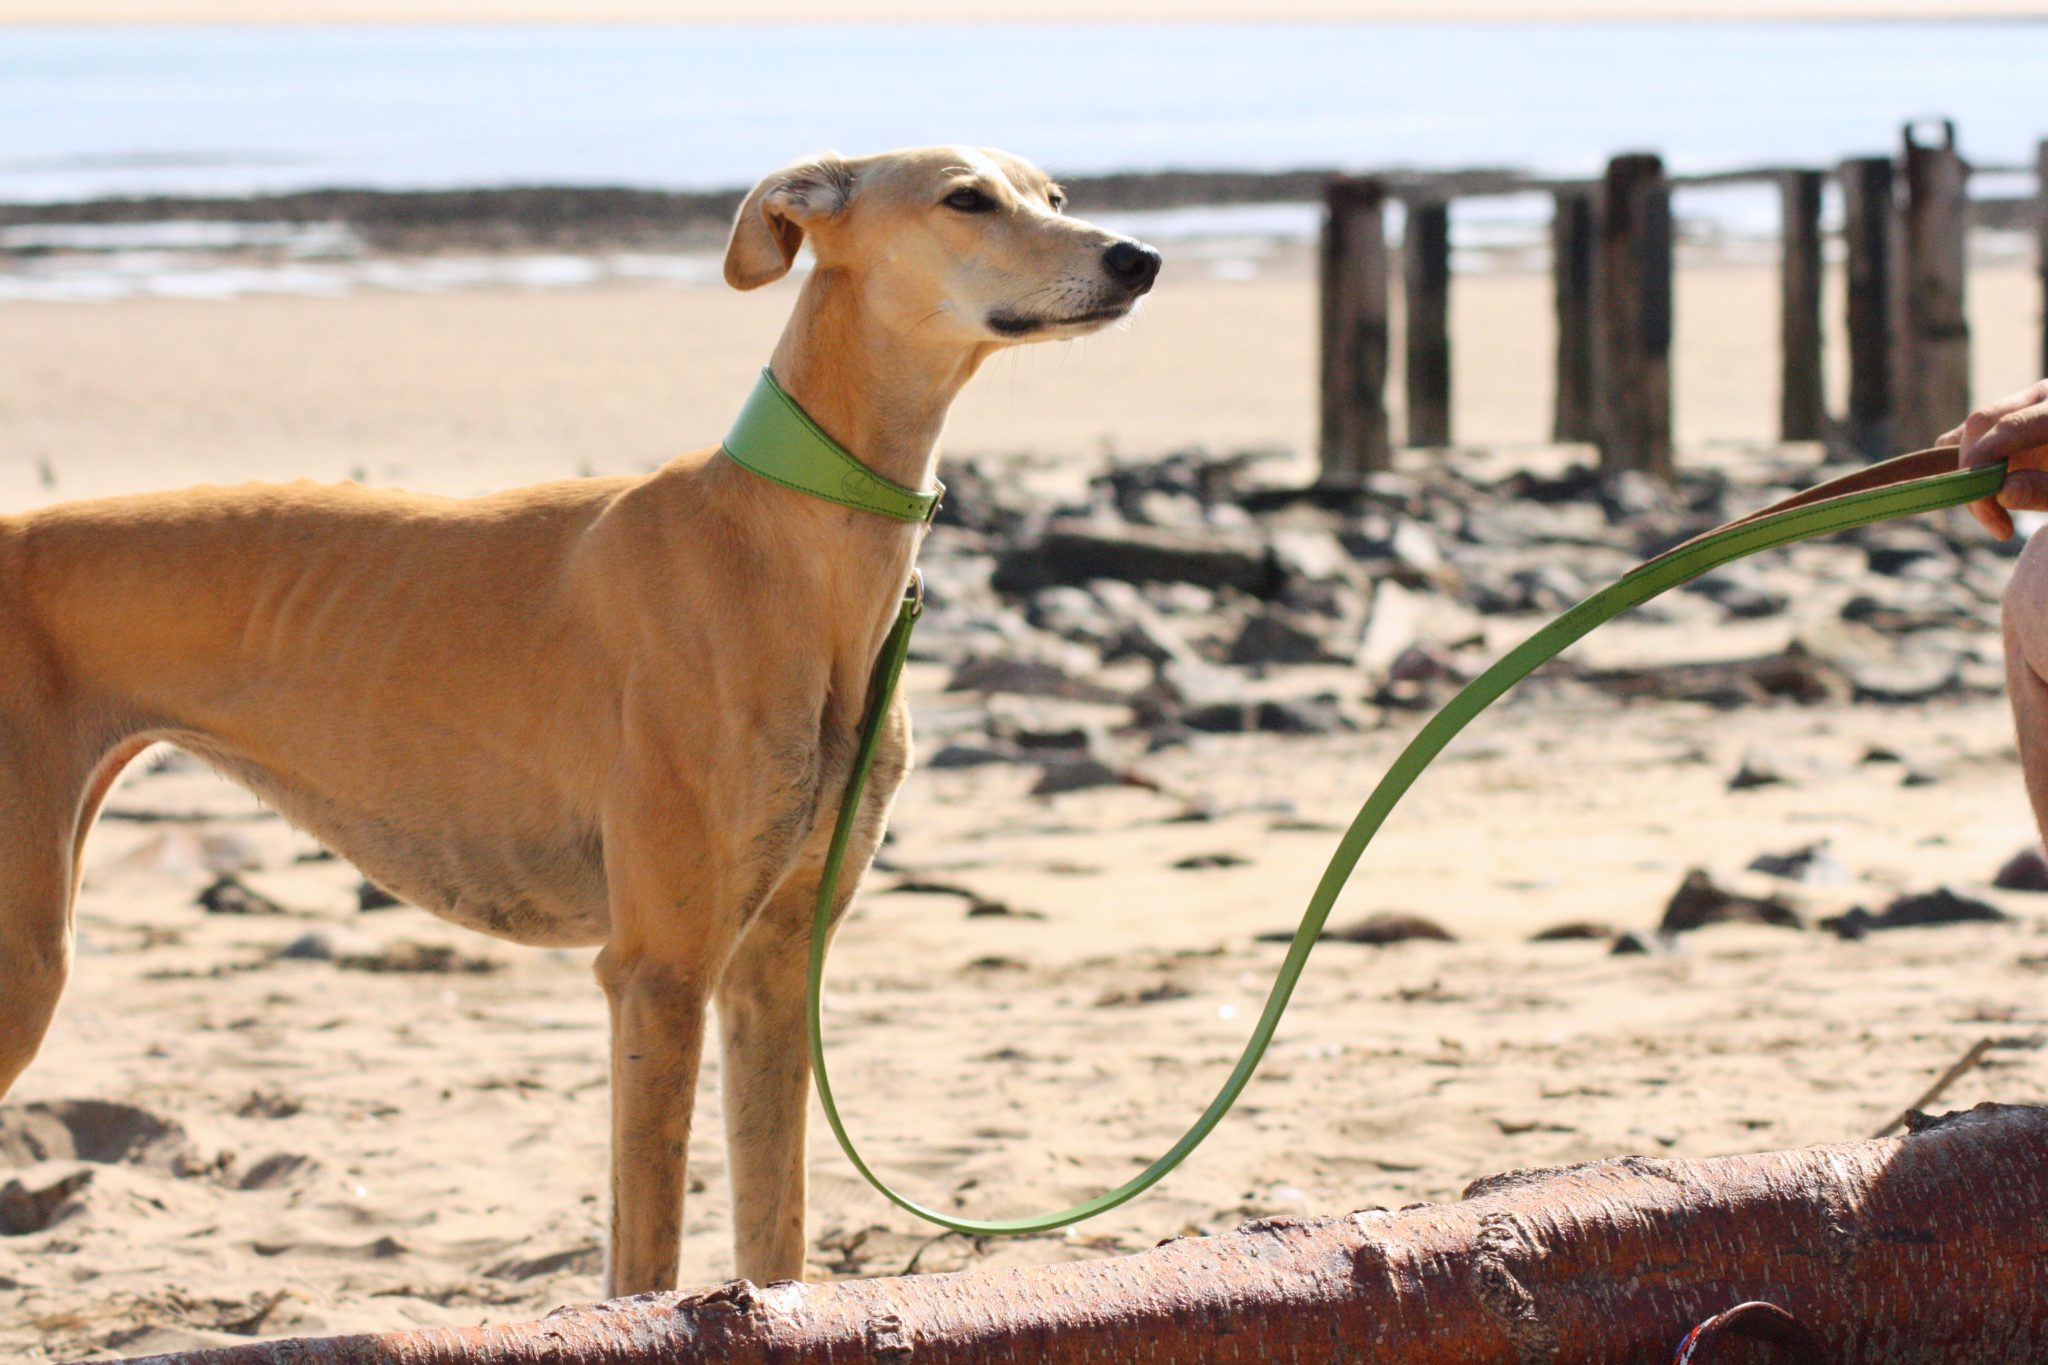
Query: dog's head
x=968 y=243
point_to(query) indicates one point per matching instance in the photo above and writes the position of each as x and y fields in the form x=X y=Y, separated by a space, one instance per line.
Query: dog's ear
x=771 y=222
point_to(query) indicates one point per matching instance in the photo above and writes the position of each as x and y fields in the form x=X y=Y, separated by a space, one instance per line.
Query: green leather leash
x=1925 y=481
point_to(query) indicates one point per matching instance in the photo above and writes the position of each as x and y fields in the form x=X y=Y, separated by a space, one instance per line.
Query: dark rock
x=94 y=1130
x=425 y=958
x=1374 y=930
x=1757 y=770
x=23 y=1210
x=1150 y=995
x=1391 y=927
x=1698 y=902
x=1077 y=553
x=922 y=886
x=1272 y=638
x=1222 y=718
x=1812 y=865
x=1333 y=599
x=997 y=910
x=1399 y=550
x=1573 y=931
x=1145 y=634
x=370 y=896
x=963 y=755
x=1202 y=862
x=1636 y=942
x=1548 y=588
x=1892 y=560
x=1075 y=775
x=1033 y=740
x=1024 y=678
x=1320 y=715
x=1850 y=926
x=1898 y=618
x=1580 y=483
x=1878 y=753
x=1943 y=905
x=1917 y=776
x=1419 y=676
x=227 y=896
x=2026 y=870
x=1793 y=674
x=317 y=946
x=1740 y=595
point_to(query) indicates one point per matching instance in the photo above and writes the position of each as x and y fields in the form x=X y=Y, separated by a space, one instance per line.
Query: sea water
x=90 y=112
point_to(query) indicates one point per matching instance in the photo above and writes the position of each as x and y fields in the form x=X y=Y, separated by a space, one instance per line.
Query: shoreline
x=585 y=218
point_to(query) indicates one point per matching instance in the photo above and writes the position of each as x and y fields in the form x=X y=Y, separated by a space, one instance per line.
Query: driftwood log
x=1932 y=1247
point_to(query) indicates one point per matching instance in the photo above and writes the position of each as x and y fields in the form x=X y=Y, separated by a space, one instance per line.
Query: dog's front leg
x=657 y=1009
x=768 y=1088
x=675 y=912
x=761 y=1004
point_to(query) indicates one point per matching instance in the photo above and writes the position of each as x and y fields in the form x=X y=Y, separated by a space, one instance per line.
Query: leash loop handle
x=1895 y=488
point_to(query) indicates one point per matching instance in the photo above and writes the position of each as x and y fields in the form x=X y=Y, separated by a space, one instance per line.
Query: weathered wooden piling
x=1920 y=1248
x=1426 y=303
x=1802 y=405
x=1355 y=342
x=1572 y=250
x=1931 y=354
x=1867 y=192
x=1632 y=338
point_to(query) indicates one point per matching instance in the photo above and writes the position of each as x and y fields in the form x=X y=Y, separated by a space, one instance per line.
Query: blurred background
x=374 y=166
x=465 y=245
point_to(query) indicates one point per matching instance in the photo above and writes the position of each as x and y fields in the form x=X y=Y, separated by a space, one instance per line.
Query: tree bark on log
x=1932 y=1247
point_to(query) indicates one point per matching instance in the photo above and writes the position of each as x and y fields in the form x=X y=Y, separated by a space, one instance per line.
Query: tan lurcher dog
x=608 y=711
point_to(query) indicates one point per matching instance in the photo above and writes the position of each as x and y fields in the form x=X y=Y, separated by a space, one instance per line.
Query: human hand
x=2013 y=429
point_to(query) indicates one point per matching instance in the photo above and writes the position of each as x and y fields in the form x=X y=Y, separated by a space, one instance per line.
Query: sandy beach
x=326 y=1120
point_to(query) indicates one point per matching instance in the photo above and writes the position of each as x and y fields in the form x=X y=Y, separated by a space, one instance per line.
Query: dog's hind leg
x=43 y=808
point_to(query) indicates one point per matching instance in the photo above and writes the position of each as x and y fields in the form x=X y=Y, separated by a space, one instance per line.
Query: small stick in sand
x=1942 y=1082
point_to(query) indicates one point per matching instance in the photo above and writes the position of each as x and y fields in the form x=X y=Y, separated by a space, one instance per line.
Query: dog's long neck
x=879 y=391
x=883 y=395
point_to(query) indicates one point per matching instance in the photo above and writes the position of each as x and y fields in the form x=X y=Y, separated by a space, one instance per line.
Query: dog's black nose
x=1132 y=265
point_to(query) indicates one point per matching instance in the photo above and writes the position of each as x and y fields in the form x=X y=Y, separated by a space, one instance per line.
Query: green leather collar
x=776 y=439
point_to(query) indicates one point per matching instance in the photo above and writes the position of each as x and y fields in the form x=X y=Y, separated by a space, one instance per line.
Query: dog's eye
x=1057 y=200
x=969 y=200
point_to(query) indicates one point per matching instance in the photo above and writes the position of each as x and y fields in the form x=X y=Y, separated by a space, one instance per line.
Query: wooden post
x=2041 y=236
x=1632 y=294
x=1426 y=286
x=1355 y=438
x=1572 y=251
x=1933 y=353
x=1802 y=408
x=1867 y=187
